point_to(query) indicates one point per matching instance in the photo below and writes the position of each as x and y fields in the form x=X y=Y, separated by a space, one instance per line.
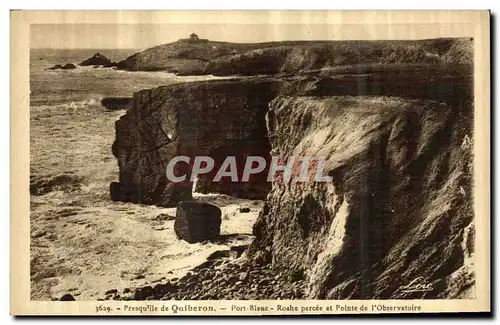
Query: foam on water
x=81 y=104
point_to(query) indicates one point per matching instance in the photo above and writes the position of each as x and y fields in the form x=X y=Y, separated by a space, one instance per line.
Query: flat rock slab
x=197 y=221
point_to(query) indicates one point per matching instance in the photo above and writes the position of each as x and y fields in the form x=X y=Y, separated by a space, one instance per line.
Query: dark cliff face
x=397 y=147
x=399 y=207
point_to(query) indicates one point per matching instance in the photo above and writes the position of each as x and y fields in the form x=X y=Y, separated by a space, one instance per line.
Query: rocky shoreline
x=206 y=57
x=220 y=279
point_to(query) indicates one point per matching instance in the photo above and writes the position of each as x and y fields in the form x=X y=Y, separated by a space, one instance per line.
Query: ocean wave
x=86 y=103
x=163 y=74
x=146 y=74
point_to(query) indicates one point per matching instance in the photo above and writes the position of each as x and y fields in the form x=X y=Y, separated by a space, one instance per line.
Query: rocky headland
x=397 y=141
x=206 y=57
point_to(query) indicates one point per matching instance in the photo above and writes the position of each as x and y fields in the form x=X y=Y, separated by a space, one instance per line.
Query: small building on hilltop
x=194 y=38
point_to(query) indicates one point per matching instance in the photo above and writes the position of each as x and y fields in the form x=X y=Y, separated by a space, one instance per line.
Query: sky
x=142 y=36
x=146 y=35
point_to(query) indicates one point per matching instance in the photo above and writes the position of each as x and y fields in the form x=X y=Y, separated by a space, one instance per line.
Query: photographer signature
x=417 y=285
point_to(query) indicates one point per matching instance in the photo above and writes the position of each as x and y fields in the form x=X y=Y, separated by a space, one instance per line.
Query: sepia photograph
x=254 y=162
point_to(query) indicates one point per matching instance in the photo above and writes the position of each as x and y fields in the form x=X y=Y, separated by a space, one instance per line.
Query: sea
x=86 y=85
x=65 y=105
x=82 y=243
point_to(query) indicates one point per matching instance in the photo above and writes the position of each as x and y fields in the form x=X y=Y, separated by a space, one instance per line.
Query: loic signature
x=417 y=285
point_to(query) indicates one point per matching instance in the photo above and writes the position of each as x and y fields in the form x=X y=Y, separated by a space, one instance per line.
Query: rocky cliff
x=398 y=209
x=216 y=119
x=397 y=146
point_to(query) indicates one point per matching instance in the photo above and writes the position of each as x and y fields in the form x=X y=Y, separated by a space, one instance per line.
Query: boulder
x=162 y=289
x=197 y=221
x=67 y=297
x=97 y=59
x=184 y=120
x=68 y=66
x=143 y=293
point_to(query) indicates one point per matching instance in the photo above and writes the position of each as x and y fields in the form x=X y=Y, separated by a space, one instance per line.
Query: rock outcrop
x=97 y=60
x=67 y=66
x=116 y=103
x=397 y=146
x=213 y=119
x=67 y=297
x=197 y=221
